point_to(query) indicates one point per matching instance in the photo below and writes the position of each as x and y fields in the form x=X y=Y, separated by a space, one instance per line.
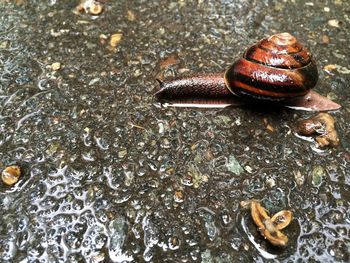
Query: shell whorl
x=276 y=68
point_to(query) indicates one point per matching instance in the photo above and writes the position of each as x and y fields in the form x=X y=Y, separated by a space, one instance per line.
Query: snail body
x=277 y=69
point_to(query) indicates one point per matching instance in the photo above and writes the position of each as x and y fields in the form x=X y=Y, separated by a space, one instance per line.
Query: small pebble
x=234 y=166
x=325 y=39
x=330 y=67
x=299 y=178
x=4 y=44
x=131 y=15
x=91 y=7
x=55 y=66
x=103 y=38
x=343 y=70
x=333 y=23
x=248 y=169
x=115 y=39
x=179 y=196
x=10 y=175
x=122 y=153
x=317 y=175
x=183 y=70
x=270 y=182
x=78 y=9
x=174 y=243
x=95 y=9
x=270 y=128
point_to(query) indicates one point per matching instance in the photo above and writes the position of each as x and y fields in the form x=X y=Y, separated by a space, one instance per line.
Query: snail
x=277 y=70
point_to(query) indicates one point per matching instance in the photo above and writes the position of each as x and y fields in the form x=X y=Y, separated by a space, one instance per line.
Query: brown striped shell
x=276 y=68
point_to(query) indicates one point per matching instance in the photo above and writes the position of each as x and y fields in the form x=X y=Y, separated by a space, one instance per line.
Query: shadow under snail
x=276 y=70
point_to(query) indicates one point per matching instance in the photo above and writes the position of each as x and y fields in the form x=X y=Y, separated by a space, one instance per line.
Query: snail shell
x=275 y=68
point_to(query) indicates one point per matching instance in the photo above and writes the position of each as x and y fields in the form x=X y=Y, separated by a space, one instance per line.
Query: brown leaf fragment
x=282 y=219
x=258 y=214
x=268 y=227
x=275 y=237
x=169 y=61
x=321 y=125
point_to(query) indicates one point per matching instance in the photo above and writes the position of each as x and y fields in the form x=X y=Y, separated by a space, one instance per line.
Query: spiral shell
x=276 y=68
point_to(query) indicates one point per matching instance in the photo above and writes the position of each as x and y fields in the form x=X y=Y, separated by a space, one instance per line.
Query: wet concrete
x=108 y=175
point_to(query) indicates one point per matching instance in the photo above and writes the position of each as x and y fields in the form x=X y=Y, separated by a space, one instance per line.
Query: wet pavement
x=110 y=176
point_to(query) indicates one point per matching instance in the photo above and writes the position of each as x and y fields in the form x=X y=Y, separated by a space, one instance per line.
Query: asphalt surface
x=109 y=175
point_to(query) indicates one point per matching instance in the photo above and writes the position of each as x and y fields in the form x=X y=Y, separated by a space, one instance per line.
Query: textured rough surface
x=107 y=175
